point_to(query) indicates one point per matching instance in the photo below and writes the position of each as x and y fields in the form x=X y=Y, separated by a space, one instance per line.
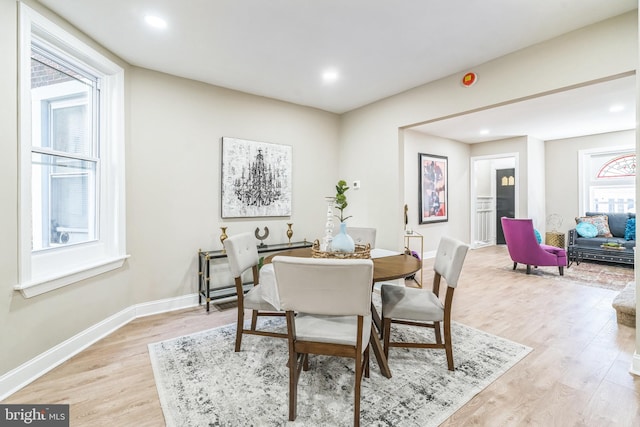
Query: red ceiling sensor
x=469 y=79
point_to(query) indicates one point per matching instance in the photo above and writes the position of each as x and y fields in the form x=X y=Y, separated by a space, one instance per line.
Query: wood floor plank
x=576 y=375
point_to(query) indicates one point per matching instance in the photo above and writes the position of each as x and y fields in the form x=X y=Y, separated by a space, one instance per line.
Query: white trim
x=635 y=364
x=38 y=287
x=51 y=269
x=583 y=202
x=473 y=190
x=28 y=372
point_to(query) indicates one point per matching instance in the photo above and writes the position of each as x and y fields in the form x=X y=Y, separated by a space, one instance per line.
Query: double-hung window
x=71 y=158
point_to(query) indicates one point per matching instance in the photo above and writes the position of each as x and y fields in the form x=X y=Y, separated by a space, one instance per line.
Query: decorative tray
x=614 y=248
x=361 y=252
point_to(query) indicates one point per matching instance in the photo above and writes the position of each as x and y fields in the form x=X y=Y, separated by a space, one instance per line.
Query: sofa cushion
x=630 y=229
x=586 y=229
x=617 y=221
x=600 y=222
x=538 y=235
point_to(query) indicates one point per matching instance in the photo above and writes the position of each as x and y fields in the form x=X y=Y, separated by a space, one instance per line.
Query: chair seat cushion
x=554 y=250
x=411 y=304
x=332 y=329
x=254 y=300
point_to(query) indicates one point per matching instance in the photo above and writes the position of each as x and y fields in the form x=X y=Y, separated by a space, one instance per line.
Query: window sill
x=42 y=285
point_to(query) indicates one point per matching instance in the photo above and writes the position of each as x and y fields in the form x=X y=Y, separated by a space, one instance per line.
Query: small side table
x=407 y=244
x=553 y=238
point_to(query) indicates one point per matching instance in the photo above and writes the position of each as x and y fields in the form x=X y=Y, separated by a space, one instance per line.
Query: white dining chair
x=421 y=307
x=363 y=235
x=328 y=310
x=242 y=255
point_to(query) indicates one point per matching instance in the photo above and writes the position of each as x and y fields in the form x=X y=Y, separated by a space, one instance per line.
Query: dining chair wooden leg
x=254 y=319
x=447 y=345
x=305 y=362
x=294 y=368
x=515 y=264
x=436 y=330
x=366 y=362
x=293 y=387
x=357 y=389
x=239 y=327
x=386 y=333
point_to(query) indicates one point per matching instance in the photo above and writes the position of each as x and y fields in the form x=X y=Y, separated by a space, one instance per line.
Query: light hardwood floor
x=576 y=375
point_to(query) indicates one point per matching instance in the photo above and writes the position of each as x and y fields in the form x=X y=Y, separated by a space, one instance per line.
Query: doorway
x=505 y=199
x=485 y=213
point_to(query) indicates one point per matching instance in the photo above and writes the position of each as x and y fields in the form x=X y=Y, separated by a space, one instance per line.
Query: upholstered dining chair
x=524 y=248
x=328 y=309
x=424 y=308
x=242 y=255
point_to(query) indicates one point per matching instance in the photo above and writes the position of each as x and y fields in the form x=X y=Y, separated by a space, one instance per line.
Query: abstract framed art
x=256 y=179
x=433 y=195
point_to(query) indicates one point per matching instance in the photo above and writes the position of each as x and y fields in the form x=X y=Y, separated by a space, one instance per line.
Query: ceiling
x=280 y=48
x=572 y=113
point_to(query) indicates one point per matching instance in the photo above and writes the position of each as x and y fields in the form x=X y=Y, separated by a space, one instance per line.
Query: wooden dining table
x=387 y=266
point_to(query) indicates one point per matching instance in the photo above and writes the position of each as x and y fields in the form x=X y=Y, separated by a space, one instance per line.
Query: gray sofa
x=583 y=248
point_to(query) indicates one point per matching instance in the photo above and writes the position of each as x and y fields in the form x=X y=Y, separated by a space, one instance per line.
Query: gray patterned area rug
x=201 y=381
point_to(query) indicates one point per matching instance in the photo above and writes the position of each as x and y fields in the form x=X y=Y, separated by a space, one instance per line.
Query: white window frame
x=44 y=271
x=584 y=157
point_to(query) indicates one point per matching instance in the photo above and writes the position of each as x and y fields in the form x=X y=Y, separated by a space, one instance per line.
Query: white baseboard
x=429 y=255
x=635 y=364
x=26 y=373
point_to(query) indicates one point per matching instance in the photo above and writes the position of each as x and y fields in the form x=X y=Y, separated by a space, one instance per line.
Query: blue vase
x=342 y=242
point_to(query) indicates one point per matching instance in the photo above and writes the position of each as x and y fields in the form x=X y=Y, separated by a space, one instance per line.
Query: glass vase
x=342 y=242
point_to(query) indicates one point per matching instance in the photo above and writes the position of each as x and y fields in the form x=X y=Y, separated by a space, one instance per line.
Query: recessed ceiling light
x=616 y=108
x=330 y=76
x=484 y=132
x=155 y=21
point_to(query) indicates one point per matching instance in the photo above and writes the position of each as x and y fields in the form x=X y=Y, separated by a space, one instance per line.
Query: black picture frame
x=433 y=197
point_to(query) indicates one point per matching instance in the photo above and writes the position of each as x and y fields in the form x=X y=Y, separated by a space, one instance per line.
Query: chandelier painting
x=256 y=179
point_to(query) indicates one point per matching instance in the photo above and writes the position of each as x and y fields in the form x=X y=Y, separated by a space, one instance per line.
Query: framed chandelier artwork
x=434 y=206
x=256 y=179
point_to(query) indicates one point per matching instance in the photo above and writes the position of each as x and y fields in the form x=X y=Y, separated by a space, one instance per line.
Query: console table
x=204 y=272
x=407 y=245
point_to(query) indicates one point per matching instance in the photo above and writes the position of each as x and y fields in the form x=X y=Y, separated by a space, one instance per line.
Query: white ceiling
x=280 y=48
x=572 y=113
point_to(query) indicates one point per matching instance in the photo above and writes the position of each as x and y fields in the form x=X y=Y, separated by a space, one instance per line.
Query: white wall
x=174 y=173
x=173 y=160
x=173 y=132
x=372 y=132
x=457 y=154
x=561 y=159
x=536 y=183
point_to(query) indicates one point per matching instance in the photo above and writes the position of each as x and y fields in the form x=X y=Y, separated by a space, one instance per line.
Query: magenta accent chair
x=524 y=247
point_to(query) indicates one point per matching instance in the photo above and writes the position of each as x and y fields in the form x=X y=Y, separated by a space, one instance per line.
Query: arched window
x=609 y=181
x=621 y=166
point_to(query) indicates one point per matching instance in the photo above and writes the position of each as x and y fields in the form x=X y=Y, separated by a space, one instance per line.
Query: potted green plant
x=342 y=242
x=341 y=199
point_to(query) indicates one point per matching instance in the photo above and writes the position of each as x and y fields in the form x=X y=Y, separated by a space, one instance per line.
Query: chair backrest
x=449 y=259
x=242 y=253
x=362 y=235
x=519 y=237
x=323 y=286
